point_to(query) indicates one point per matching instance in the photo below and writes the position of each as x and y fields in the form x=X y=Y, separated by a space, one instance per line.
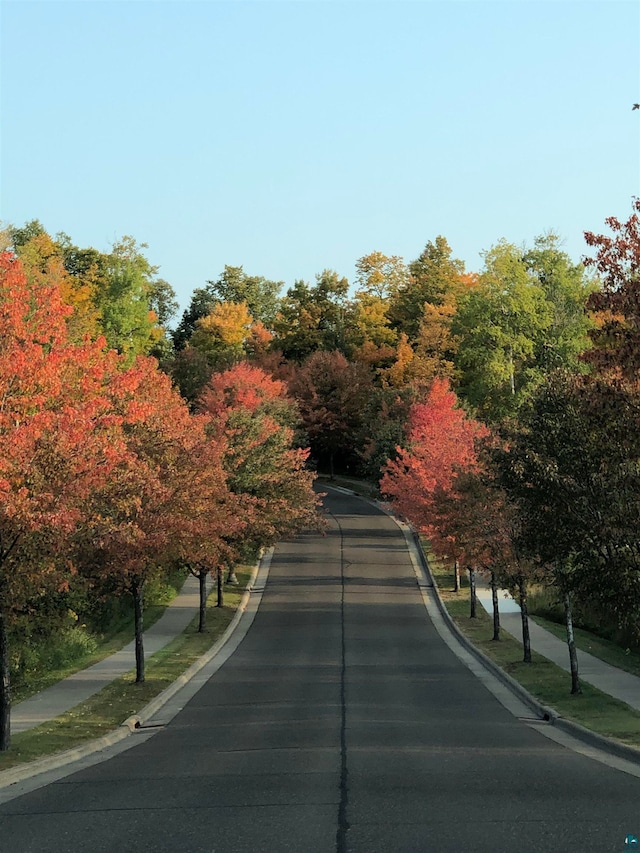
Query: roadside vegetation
x=123 y=698
x=497 y=409
x=592 y=708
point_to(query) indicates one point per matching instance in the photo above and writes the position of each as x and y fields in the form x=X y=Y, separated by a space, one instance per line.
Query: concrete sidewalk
x=617 y=683
x=69 y=692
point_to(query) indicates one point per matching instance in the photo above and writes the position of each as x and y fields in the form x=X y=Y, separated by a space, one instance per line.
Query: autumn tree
x=252 y=414
x=616 y=338
x=222 y=335
x=259 y=294
x=435 y=277
x=44 y=263
x=332 y=393
x=572 y=466
x=117 y=293
x=60 y=440
x=381 y=275
x=317 y=317
x=166 y=502
x=478 y=514
x=440 y=442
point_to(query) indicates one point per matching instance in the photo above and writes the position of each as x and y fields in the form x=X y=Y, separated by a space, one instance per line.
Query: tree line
x=108 y=479
x=166 y=441
x=549 y=492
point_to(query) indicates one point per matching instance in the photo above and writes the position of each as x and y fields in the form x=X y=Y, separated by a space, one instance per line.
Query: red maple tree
x=60 y=440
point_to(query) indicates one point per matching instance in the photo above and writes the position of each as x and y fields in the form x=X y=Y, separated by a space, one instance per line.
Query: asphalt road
x=342 y=723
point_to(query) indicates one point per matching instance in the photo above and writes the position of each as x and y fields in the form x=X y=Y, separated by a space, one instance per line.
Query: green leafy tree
x=261 y=296
x=123 y=299
x=435 y=277
x=573 y=465
x=315 y=318
x=499 y=325
x=566 y=288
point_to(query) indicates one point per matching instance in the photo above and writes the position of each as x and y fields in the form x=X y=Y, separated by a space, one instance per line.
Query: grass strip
x=550 y=684
x=122 y=698
x=606 y=650
x=37 y=682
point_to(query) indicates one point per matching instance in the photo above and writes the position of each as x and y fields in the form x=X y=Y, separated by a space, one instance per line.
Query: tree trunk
x=456 y=576
x=526 y=640
x=232 y=577
x=137 y=590
x=220 y=582
x=202 y=621
x=331 y=466
x=573 y=655
x=472 y=589
x=496 y=608
x=5 y=687
x=512 y=381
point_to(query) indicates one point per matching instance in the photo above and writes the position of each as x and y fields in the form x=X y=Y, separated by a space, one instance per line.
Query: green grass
x=123 y=697
x=547 y=682
x=605 y=650
x=107 y=644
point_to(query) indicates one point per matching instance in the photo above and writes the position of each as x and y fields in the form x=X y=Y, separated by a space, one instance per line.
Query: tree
x=258 y=293
x=44 y=263
x=498 y=325
x=616 y=338
x=60 y=440
x=116 y=294
x=572 y=465
x=223 y=334
x=123 y=299
x=566 y=289
x=166 y=503
x=332 y=394
x=233 y=285
x=252 y=415
x=370 y=321
x=314 y=318
x=478 y=514
x=190 y=370
x=440 y=442
x=380 y=275
x=435 y=277
x=383 y=429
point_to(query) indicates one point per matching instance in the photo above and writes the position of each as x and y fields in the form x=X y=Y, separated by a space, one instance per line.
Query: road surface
x=342 y=724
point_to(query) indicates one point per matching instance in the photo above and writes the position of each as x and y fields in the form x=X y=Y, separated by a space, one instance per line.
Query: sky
x=292 y=137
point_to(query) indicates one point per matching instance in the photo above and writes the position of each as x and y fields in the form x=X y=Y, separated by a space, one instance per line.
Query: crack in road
x=343 y=823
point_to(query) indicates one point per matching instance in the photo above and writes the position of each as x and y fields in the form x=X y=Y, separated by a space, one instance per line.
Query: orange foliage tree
x=440 y=442
x=252 y=416
x=60 y=441
x=168 y=499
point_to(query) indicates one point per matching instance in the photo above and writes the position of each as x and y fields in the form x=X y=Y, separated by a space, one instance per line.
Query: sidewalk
x=617 y=683
x=69 y=692
x=66 y=694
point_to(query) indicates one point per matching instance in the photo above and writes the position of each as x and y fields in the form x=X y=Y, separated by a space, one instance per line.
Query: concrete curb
x=133 y=723
x=544 y=712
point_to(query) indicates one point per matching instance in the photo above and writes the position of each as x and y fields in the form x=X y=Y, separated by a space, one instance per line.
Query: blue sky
x=290 y=137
